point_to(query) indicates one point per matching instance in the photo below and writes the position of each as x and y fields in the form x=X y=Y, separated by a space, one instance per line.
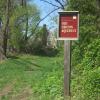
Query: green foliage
x=86 y=77
x=50 y=84
x=18 y=25
x=86 y=52
x=84 y=6
x=22 y=20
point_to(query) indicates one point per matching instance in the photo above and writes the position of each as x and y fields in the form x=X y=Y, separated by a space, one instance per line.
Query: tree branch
x=50 y=3
x=43 y=19
x=62 y=6
x=63 y=1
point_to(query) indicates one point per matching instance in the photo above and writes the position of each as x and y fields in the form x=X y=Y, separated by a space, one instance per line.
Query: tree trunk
x=25 y=39
x=22 y=2
x=5 y=40
x=6 y=31
x=25 y=4
x=1 y=46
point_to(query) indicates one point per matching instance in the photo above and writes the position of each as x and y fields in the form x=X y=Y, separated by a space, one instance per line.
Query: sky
x=45 y=8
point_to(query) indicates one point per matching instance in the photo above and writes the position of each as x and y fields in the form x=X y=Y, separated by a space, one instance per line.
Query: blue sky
x=45 y=9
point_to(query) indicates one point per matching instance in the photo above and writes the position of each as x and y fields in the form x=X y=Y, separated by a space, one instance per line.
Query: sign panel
x=68 y=25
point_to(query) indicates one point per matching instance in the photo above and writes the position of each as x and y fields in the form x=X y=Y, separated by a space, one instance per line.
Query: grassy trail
x=27 y=77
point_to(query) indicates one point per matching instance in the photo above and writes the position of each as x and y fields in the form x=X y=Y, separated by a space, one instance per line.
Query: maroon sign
x=68 y=25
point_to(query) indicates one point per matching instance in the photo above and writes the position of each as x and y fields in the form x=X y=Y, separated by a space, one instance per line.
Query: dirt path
x=23 y=95
x=7 y=89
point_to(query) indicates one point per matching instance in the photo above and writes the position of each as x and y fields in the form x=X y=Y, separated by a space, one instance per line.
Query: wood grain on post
x=67 y=69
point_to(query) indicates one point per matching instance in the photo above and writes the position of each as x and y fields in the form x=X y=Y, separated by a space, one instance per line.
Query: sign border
x=67 y=12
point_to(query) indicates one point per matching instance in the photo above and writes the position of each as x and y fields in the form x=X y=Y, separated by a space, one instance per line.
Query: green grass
x=31 y=77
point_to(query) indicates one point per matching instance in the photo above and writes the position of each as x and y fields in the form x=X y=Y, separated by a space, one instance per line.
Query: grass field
x=27 y=77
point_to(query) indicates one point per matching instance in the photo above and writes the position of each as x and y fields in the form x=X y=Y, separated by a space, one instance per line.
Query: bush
x=86 y=77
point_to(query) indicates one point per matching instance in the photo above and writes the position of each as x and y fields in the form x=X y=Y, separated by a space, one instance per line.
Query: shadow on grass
x=24 y=64
x=12 y=57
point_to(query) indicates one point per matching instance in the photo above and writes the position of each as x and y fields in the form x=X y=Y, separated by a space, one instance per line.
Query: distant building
x=51 y=40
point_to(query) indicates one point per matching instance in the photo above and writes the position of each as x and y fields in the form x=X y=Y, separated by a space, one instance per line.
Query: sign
x=68 y=25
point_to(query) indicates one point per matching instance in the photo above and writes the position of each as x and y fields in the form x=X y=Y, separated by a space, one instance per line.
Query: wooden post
x=67 y=69
x=68 y=20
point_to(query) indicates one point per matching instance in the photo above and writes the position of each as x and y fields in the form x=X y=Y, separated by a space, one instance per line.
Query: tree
x=2 y=12
x=22 y=21
x=1 y=42
x=7 y=28
x=31 y=18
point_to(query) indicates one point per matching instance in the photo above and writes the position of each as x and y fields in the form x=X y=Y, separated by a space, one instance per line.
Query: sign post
x=68 y=30
x=67 y=69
